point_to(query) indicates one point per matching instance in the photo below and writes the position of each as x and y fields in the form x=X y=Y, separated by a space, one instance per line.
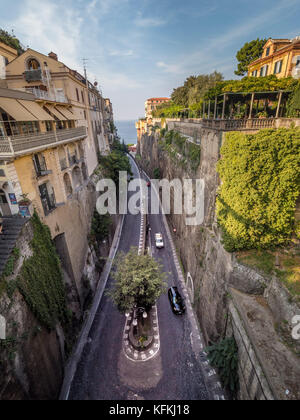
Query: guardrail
x=19 y=145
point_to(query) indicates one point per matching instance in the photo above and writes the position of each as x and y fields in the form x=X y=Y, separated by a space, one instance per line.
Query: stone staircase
x=12 y=227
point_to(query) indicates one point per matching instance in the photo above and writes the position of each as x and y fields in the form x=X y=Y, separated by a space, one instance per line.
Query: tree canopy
x=11 y=41
x=194 y=88
x=138 y=280
x=249 y=52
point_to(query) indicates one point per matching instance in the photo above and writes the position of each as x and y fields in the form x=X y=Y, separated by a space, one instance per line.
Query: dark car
x=176 y=301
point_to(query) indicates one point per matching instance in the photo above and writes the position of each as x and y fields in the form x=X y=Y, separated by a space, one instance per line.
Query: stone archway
x=190 y=287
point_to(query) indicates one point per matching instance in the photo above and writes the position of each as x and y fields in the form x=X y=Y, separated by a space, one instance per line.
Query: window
x=40 y=164
x=82 y=96
x=268 y=52
x=264 y=71
x=33 y=64
x=47 y=197
x=77 y=94
x=84 y=113
x=298 y=61
x=254 y=73
x=278 y=67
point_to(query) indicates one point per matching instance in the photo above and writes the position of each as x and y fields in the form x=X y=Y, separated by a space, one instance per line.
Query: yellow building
x=142 y=127
x=43 y=167
x=152 y=103
x=280 y=57
x=62 y=91
x=7 y=54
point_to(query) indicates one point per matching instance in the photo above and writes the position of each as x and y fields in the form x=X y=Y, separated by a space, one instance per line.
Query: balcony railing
x=232 y=125
x=34 y=76
x=45 y=95
x=19 y=145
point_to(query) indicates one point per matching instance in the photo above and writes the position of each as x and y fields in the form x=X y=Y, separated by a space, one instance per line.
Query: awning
x=16 y=110
x=36 y=110
x=53 y=111
x=66 y=112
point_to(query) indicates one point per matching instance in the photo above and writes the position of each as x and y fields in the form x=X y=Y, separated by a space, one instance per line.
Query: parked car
x=159 y=240
x=176 y=301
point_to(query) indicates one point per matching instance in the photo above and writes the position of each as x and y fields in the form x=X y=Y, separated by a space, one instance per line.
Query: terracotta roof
x=159 y=99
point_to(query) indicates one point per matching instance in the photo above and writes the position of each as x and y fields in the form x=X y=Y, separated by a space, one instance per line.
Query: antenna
x=85 y=60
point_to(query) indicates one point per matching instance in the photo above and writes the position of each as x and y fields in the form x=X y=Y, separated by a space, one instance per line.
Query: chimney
x=53 y=55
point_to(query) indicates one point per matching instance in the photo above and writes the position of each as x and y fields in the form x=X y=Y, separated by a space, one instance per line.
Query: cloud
x=145 y=22
x=170 y=68
x=46 y=28
x=119 y=53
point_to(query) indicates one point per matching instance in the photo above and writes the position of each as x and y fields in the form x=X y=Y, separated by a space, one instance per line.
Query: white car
x=159 y=240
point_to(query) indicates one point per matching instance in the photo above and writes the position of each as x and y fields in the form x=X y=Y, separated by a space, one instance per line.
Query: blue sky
x=143 y=48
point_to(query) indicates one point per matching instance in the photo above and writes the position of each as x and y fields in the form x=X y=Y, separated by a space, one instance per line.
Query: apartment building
x=152 y=103
x=280 y=57
x=43 y=166
x=57 y=88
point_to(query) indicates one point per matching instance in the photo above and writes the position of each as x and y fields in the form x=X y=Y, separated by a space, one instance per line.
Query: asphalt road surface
x=104 y=373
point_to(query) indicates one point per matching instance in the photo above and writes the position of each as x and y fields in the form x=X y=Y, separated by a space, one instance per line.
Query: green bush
x=224 y=357
x=40 y=280
x=260 y=185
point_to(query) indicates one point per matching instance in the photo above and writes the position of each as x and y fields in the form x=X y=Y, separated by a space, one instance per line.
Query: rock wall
x=214 y=275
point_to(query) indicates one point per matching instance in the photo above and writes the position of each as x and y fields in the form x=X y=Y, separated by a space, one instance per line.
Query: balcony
x=11 y=147
x=45 y=95
x=34 y=76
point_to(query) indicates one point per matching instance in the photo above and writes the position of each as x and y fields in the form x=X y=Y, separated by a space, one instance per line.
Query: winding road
x=176 y=373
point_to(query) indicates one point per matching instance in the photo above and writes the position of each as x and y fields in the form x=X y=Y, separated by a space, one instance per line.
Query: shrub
x=224 y=357
x=260 y=185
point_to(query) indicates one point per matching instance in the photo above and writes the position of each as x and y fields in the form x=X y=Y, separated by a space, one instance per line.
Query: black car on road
x=176 y=301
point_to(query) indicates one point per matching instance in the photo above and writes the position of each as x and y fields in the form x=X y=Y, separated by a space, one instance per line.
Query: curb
x=142 y=356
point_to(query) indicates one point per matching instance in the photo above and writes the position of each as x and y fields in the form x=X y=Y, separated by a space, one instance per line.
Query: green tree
x=249 y=52
x=11 y=41
x=115 y=162
x=138 y=280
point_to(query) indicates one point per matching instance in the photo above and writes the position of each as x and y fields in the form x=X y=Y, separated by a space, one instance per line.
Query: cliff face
x=229 y=298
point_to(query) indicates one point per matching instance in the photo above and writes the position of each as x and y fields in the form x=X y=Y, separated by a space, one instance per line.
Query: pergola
x=217 y=109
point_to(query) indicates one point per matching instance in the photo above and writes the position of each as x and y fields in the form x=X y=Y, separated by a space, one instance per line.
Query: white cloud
x=45 y=27
x=170 y=68
x=121 y=53
x=144 y=22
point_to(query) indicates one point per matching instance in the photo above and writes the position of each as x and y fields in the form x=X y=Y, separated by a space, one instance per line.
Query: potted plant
x=262 y=114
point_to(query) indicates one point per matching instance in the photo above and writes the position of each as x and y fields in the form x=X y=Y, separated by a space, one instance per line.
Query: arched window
x=76 y=177
x=68 y=185
x=33 y=64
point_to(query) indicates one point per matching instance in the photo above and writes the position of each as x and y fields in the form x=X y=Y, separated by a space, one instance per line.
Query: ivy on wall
x=174 y=143
x=40 y=280
x=260 y=185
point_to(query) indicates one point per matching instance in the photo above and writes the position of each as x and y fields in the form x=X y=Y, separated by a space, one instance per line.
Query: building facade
x=7 y=54
x=43 y=167
x=280 y=57
x=152 y=103
x=58 y=89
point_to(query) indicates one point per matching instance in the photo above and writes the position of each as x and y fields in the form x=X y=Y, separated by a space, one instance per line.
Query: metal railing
x=47 y=96
x=19 y=145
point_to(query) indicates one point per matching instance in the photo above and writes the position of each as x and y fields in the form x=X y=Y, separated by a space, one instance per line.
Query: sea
x=127 y=131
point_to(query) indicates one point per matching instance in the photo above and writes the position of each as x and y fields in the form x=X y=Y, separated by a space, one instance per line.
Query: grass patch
x=284 y=263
